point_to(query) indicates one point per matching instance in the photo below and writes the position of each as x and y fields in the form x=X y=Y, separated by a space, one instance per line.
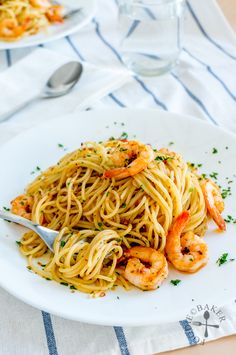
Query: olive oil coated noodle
x=105 y=199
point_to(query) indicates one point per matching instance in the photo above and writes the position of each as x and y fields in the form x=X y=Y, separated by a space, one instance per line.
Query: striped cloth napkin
x=204 y=86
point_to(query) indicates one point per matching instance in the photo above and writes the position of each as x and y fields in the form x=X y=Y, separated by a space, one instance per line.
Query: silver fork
x=70 y=13
x=46 y=234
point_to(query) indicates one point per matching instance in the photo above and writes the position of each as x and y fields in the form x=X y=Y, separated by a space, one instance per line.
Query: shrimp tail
x=215 y=214
x=180 y=223
x=214 y=202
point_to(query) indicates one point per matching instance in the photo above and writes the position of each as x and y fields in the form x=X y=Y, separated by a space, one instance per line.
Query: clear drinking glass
x=151 y=34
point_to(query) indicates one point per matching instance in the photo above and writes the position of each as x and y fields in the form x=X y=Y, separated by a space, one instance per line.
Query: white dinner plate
x=53 y=32
x=192 y=138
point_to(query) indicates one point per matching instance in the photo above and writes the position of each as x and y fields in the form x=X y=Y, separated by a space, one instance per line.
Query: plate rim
x=74 y=116
x=4 y=45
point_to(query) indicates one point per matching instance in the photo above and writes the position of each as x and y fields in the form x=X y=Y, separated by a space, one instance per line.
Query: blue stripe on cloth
x=132 y=28
x=137 y=22
x=8 y=57
x=121 y=340
x=150 y=13
x=51 y=341
x=188 y=332
x=98 y=32
x=208 y=68
x=114 y=98
x=206 y=34
x=158 y=102
x=195 y=98
x=75 y=48
x=118 y=56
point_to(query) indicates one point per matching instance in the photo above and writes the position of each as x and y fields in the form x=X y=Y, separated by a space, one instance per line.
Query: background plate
x=71 y=25
x=194 y=139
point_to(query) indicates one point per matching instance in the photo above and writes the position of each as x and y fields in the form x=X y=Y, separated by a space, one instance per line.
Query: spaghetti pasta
x=19 y=18
x=100 y=218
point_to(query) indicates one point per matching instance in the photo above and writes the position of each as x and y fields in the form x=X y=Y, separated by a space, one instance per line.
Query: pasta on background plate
x=20 y=18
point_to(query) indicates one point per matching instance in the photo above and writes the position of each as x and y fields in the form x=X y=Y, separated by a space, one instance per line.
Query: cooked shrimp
x=22 y=206
x=44 y=4
x=54 y=14
x=214 y=202
x=188 y=252
x=144 y=277
x=139 y=154
x=9 y=29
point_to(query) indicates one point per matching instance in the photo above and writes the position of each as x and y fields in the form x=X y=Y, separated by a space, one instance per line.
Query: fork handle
x=18 y=219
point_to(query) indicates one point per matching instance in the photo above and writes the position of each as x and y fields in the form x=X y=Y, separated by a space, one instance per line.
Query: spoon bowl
x=63 y=80
x=60 y=83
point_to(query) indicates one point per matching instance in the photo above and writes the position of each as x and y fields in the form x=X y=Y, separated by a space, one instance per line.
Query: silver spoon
x=46 y=234
x=59 y=84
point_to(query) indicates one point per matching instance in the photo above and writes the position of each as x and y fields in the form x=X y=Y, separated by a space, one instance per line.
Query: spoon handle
x=17 y=219
x=6 y=116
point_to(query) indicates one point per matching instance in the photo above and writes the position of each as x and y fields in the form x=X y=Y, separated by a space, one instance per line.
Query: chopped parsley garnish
x=191 y=189
x=230 y=219
x=170 y=143
x=194 y=166
x=175 y=282
x=162 y=158
x=63 y=243
x=18 y=242
x=226 y=192
x=36 y=169
x=214 y=175
x=73 y=287
x=214 y=151
x=222 y=259
x=64 y=283
x=123 y=205
x=47 y=278
x=61 y=146
x=124 y=135
x=100 y=225
x=111 y=139
x=6 y=209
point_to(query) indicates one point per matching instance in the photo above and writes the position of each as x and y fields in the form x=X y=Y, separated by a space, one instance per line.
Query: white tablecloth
x=204 y=86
